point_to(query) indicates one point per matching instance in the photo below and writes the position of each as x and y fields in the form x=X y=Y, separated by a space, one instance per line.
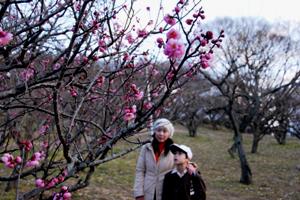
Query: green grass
x=275 y=176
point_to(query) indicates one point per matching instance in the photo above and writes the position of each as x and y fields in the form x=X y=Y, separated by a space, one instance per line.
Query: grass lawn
x=275 y=168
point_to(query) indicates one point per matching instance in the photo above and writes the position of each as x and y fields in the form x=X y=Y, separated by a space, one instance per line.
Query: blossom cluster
x=40 y=183
x=35 y=159
x=5 y=37
x=64 y=194
x=138 y=95
x=130 y=113
x=174 y=47
x=9 y=160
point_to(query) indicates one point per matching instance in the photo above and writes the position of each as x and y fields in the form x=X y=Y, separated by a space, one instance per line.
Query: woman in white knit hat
x=154 y=161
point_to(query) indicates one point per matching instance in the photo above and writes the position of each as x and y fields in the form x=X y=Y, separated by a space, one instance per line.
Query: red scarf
x=161 y=147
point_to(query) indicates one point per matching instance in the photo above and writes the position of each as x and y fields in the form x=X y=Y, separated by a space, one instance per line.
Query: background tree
x=76 y=78
x=257 y=69
x=195 y=104
x=293 y=128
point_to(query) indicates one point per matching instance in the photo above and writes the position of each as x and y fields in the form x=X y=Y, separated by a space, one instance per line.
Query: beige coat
x=150 y=174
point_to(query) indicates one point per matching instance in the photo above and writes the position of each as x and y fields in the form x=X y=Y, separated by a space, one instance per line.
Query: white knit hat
x=176 y=147
x=163 y=122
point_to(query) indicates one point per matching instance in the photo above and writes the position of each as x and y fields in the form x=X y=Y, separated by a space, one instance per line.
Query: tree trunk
x=192 y=132
x=255 y=142
x=192 y=127
x=280 y=137
x=246 y=175
x=232 y=150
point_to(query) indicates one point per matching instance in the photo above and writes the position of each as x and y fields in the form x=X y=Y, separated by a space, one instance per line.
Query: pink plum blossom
x=129 y=116
x=18 y=160
x=129 y=113
x=174 y=49
x=26 y=144
x=173 y=34
x=209 y=35
x=67 y=195
x=137 y=94
x=147 y=105
x=160 y=42
x=102 y=45
x=56 y=66
x=170 y=75
x=8 y=160
x=204 y=64
x=64 y=188
x=189 y=21
x=39 y=183
x=43 y=129
x=142 y=33
x=177 y=9
x=100 y=81
x=126 y=56
x=52 y=183
x=73 y=92
x=35 y=159
x=27 y=74
x=203 y=43
x=205 y=59
x=64 y=194
x=196 y=15
x=170 y=20
x=61 y=178
x=5 y=37
x=129 y=38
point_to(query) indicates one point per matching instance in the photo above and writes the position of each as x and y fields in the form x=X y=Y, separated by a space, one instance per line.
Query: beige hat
x=163 y=122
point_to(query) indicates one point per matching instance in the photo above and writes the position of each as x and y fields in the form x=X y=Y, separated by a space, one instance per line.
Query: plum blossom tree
x=76 y=79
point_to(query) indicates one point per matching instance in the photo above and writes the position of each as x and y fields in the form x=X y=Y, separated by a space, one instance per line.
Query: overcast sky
x=269 y=9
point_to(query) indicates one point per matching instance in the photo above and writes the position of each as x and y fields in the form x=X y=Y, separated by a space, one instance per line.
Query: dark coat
x=188 y=187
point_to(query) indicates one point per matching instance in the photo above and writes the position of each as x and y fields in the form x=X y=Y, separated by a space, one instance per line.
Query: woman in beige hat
x=154 y=161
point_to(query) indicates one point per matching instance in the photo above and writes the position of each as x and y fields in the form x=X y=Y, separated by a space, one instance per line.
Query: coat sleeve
x=199 y=187
x=140 y=174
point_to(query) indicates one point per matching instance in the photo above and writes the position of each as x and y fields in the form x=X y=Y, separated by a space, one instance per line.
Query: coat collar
x=178 y=173
x=149 y=146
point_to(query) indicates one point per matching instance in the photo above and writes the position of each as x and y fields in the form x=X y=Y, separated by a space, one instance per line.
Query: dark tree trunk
x=192 y=132
x=192 y=128
x=255 y=142
x=280 y=137
x=232 y=150
x=246 y=174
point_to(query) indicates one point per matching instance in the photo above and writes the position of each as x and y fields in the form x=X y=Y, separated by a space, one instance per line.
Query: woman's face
x=161 y=134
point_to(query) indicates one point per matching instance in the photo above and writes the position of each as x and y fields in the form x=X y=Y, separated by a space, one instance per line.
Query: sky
x=269 y=9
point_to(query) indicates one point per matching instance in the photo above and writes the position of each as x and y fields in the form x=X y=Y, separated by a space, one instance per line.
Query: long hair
x=168 y=143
